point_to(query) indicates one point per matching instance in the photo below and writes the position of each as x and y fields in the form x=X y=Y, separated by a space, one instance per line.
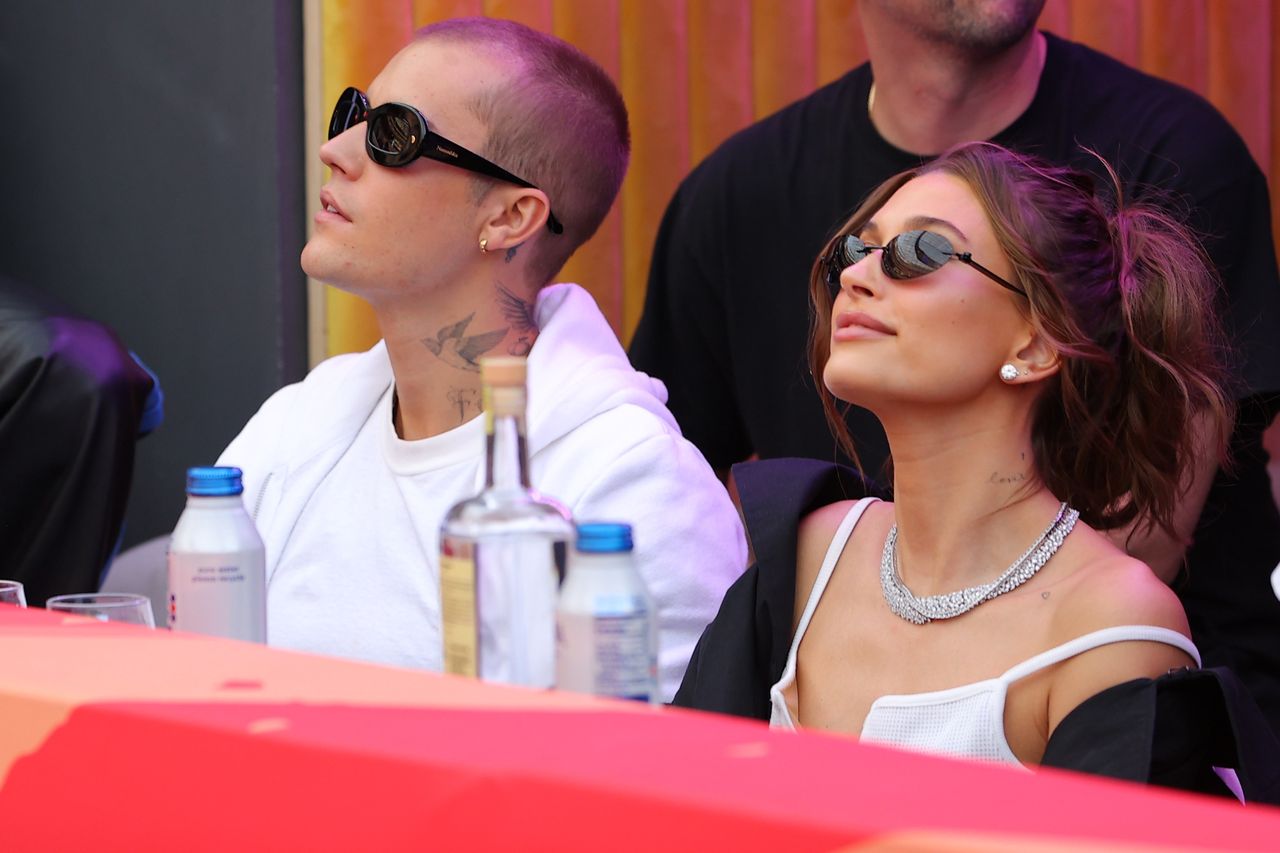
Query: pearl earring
x=1008 y=373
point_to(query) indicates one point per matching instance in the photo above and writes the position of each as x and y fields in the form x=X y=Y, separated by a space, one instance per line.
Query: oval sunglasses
x=397 y=134
x=911 y=254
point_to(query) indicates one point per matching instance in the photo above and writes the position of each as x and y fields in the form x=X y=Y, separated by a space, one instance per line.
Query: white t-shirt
x=349 y=514
x=395 y=492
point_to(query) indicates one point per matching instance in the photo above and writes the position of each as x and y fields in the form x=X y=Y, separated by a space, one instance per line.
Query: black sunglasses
x=397 y=134
x=908 y=255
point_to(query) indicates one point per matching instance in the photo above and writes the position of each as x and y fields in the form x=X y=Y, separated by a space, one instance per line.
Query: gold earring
x=484 y=245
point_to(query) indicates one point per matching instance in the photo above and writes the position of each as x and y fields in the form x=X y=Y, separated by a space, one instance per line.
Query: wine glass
x=107 y=606
x=11 y=593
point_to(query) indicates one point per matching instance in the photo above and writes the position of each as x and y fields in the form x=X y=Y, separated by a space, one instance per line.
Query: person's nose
x=345 y=152
x=864 y=277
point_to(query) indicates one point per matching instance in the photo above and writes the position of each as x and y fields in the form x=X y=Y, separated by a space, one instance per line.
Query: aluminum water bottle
x=501 y=553
x=217 y=564
x=606 y=629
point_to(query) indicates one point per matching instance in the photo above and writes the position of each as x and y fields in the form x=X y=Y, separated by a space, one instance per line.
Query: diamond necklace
x=947 y=605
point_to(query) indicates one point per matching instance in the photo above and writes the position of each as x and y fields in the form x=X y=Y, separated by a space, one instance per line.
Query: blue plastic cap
x=604 y=538
x=214 y=482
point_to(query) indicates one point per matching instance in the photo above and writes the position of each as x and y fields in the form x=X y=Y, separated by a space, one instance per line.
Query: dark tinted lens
x=846 y=252
x=395 y=132
x=915 y=253
x=349 y=110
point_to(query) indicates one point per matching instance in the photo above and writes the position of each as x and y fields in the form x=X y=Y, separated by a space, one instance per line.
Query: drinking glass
x=107 y=606
x=11 y=593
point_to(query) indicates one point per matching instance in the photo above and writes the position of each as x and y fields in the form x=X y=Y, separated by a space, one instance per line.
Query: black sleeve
x=1172 y=731
x=71 y=399
x=726 y=673
x=683 y=336
x=744 y=650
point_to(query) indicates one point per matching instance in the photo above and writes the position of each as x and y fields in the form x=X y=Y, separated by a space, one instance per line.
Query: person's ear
x=512 y=216
x=1033 y=360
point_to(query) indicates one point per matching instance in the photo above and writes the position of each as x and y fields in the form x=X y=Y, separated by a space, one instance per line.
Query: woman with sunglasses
x=1041 y=390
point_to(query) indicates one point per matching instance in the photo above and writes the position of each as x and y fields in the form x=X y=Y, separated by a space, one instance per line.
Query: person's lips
x=330 y=210
x=855 y=325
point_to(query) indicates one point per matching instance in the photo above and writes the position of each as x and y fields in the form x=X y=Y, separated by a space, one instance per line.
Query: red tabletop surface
x=119 y=738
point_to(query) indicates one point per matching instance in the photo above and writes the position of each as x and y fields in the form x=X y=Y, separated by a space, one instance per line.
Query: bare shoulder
x=1110 y=589
x=813 y=538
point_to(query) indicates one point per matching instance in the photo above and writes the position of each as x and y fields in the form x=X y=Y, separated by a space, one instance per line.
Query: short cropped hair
x=559 y=123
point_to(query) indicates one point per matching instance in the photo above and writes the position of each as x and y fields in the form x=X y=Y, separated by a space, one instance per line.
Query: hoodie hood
x=589 y=374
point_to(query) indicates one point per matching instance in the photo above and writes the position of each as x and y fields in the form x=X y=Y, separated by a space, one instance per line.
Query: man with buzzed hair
x=726 y=319
x=482 y=156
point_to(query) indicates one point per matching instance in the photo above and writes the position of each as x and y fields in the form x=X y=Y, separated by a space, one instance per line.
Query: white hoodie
x=600 y=440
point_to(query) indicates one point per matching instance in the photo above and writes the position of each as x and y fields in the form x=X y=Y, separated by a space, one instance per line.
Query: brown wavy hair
x=1126 y=297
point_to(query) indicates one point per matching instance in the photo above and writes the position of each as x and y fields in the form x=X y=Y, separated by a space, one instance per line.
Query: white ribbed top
x=965 y=721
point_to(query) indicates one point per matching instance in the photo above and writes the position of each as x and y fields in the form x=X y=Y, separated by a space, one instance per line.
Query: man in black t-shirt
x=726 y=318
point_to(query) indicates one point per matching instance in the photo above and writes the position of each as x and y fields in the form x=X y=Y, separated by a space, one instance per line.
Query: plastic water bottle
x=217 y=564
x=501 y=553
x=605 y=627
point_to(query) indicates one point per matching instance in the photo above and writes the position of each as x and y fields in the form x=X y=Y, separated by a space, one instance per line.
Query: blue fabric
x=153 y=407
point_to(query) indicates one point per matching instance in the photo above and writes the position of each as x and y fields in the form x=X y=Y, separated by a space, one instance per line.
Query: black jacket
x=1172 y=730
x=73 y=402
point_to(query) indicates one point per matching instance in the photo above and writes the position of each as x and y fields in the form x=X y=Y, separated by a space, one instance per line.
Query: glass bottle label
x=458 y=613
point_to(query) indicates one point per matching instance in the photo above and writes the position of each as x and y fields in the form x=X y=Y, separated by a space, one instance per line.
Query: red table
x=118 y=738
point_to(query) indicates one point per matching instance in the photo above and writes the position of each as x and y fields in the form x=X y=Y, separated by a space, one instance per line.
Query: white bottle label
x=222 y=595
x=607 y=655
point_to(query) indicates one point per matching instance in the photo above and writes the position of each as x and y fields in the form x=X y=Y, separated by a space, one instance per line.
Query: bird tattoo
x=521 y=315
x=452 y=346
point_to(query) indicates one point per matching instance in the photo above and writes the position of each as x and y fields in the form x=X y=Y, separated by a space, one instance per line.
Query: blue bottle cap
x=604 y=538
x=214 y=482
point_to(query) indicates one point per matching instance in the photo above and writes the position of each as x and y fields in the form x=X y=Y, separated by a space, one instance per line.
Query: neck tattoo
x=948 y=605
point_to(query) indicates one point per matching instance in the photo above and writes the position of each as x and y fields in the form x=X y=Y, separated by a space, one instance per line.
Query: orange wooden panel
x=429 y=11
x=1272 y=166
x=1174 y=42
x=1240 y=69
x=594 y=26
x=720 y=86
x=841 y=45
x=1110 y=26
x=695 y=72
x=359 y=38
x=784 y=47
x=1056 y=18
x=656 y=88
x=531 y=13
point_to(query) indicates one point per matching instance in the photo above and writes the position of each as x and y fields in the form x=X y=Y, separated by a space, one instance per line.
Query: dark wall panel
x=151 y=176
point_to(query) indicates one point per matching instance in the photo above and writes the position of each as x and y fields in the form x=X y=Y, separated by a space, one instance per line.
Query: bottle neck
x=597 y=561
x=215 y=501
x=506 y=452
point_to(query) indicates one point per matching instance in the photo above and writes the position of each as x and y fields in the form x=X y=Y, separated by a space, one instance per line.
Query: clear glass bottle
x=606 y=628
x=502 y=552
x=217 y=563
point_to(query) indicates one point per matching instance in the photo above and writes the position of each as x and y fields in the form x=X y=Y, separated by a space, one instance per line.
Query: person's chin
x=853 y=383
x=317 y=263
